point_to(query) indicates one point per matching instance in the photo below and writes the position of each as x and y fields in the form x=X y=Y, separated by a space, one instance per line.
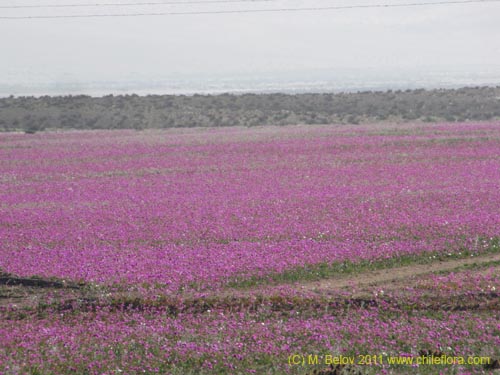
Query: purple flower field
x=177 y=207
x=174 y=215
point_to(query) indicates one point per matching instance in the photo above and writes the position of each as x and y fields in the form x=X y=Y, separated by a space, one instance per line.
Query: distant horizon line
x=207 y=92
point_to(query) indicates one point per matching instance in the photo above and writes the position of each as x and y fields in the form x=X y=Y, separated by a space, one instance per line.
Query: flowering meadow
x=193 y=251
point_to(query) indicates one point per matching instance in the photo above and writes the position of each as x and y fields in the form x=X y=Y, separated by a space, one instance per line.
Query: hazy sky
x=462 y=36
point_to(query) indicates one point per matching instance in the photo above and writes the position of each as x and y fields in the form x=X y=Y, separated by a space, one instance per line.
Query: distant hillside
x=32 y=114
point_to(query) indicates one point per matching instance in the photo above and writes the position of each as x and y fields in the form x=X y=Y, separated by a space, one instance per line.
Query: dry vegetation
x=166 y=111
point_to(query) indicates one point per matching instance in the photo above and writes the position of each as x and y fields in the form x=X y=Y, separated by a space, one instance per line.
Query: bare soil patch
x=397 y=275
x=29 y=291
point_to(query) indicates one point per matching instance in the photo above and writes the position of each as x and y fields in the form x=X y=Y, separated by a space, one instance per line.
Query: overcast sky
x=460 y=37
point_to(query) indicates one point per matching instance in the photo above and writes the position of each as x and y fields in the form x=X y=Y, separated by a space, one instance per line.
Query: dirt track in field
x=396 y=276
x=30 y=292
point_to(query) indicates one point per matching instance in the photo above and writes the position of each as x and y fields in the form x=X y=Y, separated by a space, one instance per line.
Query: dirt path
x=29 y=292
x=395 y=275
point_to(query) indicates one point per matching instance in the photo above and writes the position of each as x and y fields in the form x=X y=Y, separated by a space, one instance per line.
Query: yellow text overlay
x=378 y=360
